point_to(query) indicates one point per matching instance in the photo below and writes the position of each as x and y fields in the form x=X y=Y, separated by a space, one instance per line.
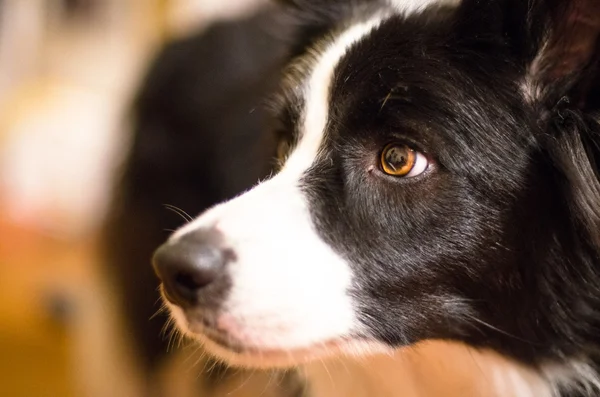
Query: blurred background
x=69 y=70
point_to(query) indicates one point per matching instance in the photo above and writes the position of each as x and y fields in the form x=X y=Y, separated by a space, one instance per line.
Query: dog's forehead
x=385 y=58
x=401 y=68
x=407 y=74
x=370 y=61
x=307 y=105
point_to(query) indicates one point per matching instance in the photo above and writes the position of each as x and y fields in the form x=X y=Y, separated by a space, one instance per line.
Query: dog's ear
x=567 y=53
x=572 y=142
x=562 y=83
x=556 y=45
x=555 y=41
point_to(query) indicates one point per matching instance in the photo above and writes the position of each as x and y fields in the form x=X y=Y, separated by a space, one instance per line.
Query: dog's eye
x=402 y=161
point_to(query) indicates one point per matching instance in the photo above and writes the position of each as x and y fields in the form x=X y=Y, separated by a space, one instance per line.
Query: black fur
x=498 y=244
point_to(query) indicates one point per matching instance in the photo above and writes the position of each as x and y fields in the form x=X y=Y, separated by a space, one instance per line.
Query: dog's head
x=438 y=181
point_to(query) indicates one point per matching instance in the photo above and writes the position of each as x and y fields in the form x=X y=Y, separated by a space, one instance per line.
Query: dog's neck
x=428 y=370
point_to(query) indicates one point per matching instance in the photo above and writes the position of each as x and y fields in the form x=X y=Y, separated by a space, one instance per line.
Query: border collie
x=438 y=181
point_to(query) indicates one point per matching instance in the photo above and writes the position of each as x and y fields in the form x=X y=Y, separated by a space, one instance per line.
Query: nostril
x=187 y=281
x=187 y=266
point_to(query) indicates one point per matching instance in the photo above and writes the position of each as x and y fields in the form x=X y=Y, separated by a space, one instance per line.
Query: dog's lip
x=303 y=353
x=220 y=338
x=306 y=352
x=167 y=296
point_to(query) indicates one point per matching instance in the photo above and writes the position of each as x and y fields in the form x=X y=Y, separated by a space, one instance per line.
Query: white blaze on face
x=289 y=288
x=317 y=97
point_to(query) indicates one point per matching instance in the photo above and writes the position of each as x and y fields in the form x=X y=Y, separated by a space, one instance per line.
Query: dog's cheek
x=289 y=289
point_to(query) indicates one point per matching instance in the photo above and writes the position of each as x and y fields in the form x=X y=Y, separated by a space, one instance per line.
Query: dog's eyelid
x=409 y=138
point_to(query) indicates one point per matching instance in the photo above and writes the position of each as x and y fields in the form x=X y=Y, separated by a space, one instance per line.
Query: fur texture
x=495 y=245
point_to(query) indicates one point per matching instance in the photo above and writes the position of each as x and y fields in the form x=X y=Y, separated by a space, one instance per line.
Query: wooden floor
x=34 y=333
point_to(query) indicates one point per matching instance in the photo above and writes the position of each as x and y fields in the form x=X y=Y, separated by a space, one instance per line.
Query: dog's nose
x=187 y=266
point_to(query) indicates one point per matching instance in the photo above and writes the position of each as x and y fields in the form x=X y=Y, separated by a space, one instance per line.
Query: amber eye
x=402 y=161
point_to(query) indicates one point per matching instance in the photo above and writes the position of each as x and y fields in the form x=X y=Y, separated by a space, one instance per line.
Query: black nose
x=187 y=266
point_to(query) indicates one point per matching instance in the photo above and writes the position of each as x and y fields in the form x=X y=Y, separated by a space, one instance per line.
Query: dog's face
x=412 y=203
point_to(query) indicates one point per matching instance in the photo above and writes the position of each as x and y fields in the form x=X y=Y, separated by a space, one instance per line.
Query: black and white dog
x=439 y=180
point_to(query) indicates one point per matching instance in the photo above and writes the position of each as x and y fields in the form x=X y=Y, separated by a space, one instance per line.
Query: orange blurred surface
x=35 y=269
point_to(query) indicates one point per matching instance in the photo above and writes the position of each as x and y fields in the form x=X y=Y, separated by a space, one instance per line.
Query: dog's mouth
x=238 y=353
x=247 y=353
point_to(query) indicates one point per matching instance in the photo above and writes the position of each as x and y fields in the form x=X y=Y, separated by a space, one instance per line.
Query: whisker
x=496 y=329
x=328 y=373
x=186 y=217
x=193 y=354
x=244 y=383
x=213 y=364
x=266 y=388
x=305 y=378
x=172 y=337
x=206 y=360
x=180 y=339
x=166 y=326
x=160 y=311
x=198 y=360
x=342 y=361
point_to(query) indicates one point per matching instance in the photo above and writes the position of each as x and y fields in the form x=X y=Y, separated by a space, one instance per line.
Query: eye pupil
x=397 y=160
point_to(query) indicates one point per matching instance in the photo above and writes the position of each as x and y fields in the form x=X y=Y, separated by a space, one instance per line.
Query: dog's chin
x=236 y=354
x=239 y=353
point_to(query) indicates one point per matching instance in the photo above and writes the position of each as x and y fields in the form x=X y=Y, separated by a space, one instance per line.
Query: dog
x=439 y=180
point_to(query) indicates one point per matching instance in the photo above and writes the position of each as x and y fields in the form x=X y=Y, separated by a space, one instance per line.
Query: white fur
x=576 y=374
x=289 y=287
x=289 y=299
x=316 y=97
